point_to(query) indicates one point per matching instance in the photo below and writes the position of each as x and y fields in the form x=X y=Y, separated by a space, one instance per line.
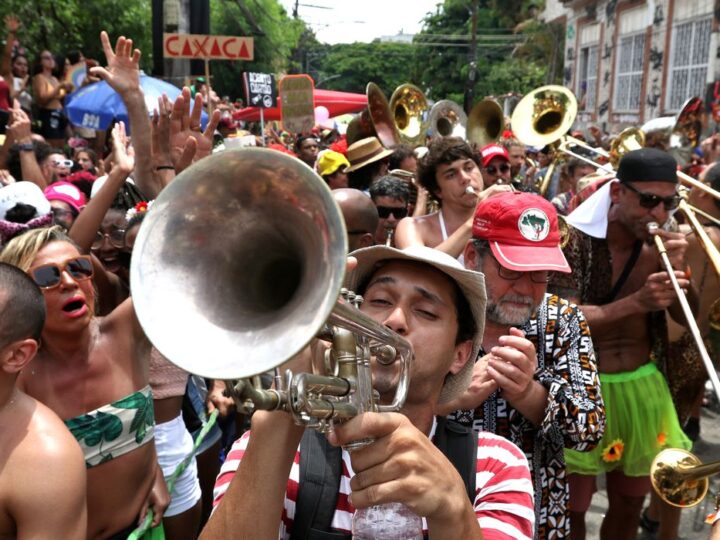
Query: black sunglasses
x=650 y=200
x=48 y=276
x=492 y=169
x=385 y=211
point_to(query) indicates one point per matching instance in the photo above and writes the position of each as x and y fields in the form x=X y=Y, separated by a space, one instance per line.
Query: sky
x=347 y=21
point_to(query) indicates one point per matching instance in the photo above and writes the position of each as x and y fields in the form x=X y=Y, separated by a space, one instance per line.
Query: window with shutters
x=587 y=78
x=689 y=57
x=629 y=73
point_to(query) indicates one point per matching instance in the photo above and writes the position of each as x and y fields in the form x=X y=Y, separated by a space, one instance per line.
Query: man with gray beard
x=535 y=381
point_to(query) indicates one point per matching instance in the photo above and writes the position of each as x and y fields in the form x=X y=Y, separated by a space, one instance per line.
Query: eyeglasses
x=63 y=163
x=650 y=200
x=492 y=169
x=385 y=211
x=116 y=237
x=48 y=276
x=62 y=213
x=538 y=276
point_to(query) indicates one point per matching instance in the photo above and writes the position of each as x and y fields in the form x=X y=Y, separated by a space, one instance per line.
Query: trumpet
x=226 y=291
x=687 y=311
x=680 y=478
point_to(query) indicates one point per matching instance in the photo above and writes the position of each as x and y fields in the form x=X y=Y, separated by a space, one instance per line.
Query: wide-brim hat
x=471 y=283
x=364 y=152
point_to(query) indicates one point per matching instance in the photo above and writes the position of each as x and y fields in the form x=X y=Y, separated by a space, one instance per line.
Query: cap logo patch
x=534 y=225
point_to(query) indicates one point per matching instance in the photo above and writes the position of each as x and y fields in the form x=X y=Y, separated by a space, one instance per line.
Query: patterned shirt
x=503 y=502
x=574 y=415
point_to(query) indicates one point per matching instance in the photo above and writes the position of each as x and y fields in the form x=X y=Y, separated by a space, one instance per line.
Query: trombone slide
x=692 y=324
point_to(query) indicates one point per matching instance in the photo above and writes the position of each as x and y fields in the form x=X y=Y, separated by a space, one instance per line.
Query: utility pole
x=472 y=59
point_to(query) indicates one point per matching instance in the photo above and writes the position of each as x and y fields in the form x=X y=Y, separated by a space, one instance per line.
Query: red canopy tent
x=337 y=103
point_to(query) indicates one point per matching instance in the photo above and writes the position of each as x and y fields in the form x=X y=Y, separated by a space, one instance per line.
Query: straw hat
x=364 y=152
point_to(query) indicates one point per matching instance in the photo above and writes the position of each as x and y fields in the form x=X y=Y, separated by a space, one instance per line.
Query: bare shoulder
x=419 y=230
x=48 y=439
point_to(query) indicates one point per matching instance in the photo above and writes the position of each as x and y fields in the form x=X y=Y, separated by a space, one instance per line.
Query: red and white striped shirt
x=503 y=503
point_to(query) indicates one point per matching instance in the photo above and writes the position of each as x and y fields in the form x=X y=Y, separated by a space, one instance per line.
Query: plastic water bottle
x=392 y=521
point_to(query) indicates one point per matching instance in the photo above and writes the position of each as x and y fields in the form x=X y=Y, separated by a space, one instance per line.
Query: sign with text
x=205 y=47
x=297 y=103
x=260 y=90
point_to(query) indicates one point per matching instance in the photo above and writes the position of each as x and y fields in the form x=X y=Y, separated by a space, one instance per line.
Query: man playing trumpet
x=427 y=298
x=624 y=292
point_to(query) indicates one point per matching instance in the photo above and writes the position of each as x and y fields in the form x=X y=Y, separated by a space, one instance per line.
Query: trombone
x=680 y=478
x=687 y=311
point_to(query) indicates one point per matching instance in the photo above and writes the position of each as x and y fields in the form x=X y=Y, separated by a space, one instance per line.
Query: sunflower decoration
x=613 y=451
x=662 y=438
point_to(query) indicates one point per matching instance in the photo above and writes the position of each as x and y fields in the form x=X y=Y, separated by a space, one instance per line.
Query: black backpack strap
x=319 y=486
x=459 y=444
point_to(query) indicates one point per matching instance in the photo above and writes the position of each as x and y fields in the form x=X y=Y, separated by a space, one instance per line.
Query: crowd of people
x=547 y=350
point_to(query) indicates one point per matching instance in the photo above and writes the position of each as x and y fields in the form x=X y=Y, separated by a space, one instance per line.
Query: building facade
x=629 y=61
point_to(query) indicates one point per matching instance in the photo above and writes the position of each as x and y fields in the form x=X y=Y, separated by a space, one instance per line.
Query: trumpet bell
x=408 y=104
x=544 y=115
x=239 y=263
x=670 y=478
x=485 y=123
x=447 y=119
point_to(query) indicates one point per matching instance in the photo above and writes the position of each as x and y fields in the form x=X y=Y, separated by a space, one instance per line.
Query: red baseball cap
x=522 y=230
x=487 y=153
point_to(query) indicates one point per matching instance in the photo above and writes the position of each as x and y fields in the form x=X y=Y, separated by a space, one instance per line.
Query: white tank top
x=444 y=233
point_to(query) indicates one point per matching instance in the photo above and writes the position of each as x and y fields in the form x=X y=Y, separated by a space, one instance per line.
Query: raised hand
x=185 y=126
x=123 y=157
x=12 y=23
x=123 y=65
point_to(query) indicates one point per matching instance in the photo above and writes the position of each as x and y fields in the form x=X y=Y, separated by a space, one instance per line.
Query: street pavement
x=707 y=448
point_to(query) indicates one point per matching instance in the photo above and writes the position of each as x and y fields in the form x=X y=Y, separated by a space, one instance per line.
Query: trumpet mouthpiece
x=652 y=227
x=470 y=190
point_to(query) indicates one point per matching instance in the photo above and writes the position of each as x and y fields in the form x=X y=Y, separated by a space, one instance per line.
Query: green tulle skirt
x=640 y=421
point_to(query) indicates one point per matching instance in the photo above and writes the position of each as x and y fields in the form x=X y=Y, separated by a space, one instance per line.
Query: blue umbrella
x=96 y=105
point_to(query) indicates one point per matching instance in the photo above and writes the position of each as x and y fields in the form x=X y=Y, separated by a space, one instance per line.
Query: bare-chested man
x=623 y=291
x=448 y=169
x=42 y=473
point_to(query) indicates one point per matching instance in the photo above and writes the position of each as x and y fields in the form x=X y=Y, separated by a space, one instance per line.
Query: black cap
x=647 y=165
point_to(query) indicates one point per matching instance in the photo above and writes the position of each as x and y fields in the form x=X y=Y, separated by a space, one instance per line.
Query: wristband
x=27 y=147
x=164 y=168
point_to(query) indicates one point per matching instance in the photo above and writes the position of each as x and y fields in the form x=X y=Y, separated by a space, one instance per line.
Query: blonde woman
x=92 y=371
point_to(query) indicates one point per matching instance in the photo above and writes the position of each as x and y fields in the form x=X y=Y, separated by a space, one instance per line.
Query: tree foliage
x=73 y=24
x=350 y=66
x=276 y=39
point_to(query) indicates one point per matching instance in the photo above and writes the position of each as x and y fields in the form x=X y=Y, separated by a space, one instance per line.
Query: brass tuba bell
x=408 y=106
x=544 y=115
x=375 y=121
x=485 y=123
x=447 y=119
x=678 y=135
